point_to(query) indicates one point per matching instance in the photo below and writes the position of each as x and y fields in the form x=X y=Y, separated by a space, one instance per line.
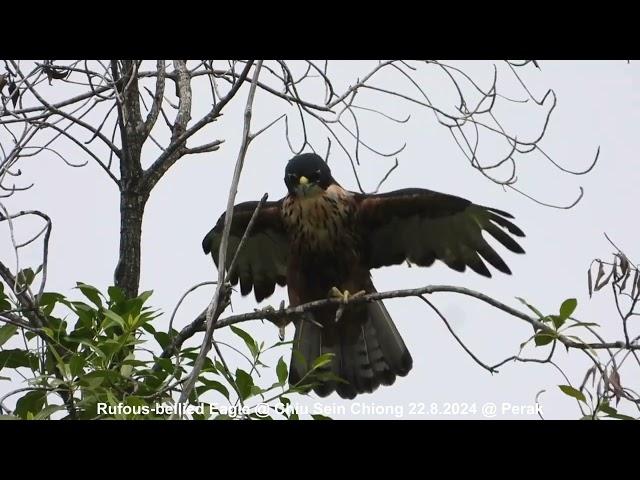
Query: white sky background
x=598 y=104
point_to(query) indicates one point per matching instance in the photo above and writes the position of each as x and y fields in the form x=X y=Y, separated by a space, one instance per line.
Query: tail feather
x=379 y=365
x=308 y=342
x=391 y=344
x=371 y=357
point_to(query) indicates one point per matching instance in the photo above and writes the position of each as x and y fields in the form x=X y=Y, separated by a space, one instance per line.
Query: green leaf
x=322 y=360
x=76 y=365
x=612 y=412
x=606 y=408
x=18 y=358
x=212 y=385
x=126 y=369
x=6 y=332
x=98 y=377
x=91 y=346
x=48 y=332
x=165 y=364
x=567 y=308
x=572 y=392
x=112 y=319
x=281 y=371
x=148 y=328
x=244 y=383
x=32 y=403
x=47 y=411
x=248 y=340
x=91 y=292
x=48 y=301
x=25 y=277
x=112 y=346
x=5 y=304
x=144 y=296
x=163 y=339
x=135 y=401
x=116 y=295
x=558 y=321
x=621 y=416
x=543 y=338
x=320 y=417
x=49 y=298
x=256 y=390
x=220 y=366
x=135 y=363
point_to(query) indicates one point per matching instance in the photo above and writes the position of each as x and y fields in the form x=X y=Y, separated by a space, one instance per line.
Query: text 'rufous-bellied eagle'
x=321 y=238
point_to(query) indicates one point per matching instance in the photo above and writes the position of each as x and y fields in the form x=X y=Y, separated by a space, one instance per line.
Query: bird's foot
x=279 y=320
x=345 y=296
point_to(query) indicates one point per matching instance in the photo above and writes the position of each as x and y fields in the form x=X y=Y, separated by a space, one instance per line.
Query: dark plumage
x=321 y=236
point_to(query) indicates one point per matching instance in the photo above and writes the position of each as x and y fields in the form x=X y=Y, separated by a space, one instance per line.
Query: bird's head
x=307 y=175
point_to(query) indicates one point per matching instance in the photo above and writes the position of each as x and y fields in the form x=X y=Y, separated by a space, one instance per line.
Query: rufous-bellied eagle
x=321 y=238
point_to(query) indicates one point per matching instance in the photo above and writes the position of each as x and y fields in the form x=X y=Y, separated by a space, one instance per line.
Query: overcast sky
x=598 y=105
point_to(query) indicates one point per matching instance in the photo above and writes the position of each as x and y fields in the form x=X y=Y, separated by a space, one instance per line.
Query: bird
x=322 y=240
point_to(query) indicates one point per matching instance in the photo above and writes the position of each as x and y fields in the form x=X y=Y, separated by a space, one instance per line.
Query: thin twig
x=221 y=287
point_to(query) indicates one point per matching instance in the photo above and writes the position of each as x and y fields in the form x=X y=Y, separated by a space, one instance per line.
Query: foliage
x=94 y=361
x=594 y=402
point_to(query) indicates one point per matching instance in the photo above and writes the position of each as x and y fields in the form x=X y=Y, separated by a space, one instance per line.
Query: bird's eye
x=292 y=176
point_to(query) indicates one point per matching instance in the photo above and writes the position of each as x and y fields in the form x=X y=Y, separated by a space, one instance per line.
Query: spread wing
x=262 y=262
x=422 y=226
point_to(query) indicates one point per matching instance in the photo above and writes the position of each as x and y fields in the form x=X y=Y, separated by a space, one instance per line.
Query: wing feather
x=262 y=263
x=422 y=225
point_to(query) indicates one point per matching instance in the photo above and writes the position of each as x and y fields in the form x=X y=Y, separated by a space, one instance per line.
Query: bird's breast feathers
x=321 y=222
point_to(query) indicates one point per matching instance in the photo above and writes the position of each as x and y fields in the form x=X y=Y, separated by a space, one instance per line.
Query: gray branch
x=221 y=286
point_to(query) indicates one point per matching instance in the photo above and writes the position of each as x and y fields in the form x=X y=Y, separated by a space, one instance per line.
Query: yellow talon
x=345 y=296
x=336 y=293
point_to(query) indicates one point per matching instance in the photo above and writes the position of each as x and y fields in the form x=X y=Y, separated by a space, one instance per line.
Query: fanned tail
x=367 y=352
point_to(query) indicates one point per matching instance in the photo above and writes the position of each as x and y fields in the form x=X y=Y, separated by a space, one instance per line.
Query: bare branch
x=221 y=287
x=157 y=100
x=172 y=154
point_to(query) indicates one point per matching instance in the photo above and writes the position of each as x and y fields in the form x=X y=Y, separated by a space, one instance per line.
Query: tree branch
x=171 y=155
x=275 y=316
x=221 y=287
x=157 y=100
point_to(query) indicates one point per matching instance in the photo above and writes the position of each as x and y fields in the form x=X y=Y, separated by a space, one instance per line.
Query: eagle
x=322 y=240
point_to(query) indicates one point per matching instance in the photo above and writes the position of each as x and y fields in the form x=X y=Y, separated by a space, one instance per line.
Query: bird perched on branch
x=322 y=240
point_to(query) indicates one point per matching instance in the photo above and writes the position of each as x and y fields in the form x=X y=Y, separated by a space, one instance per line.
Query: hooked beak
x=303 y=186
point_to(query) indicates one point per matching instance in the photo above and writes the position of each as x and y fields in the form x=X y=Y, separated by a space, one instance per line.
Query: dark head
x=307 y=175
